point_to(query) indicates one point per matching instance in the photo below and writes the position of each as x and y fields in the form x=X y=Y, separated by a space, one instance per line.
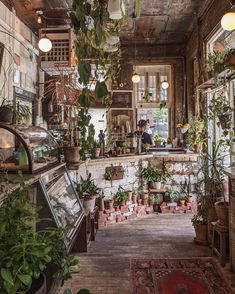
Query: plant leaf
x=84 y=70
x=101 y=89
x=7 y=276
x=25 y=279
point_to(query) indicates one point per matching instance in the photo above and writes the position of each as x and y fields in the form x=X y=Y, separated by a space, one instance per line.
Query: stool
x=220 y=242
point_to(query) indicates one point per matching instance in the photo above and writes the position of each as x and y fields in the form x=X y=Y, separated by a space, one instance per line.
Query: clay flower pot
x=108 y=204
x=201 y=233
x=182 y=202
x=89 y=203
x=71 y=155
x=221 y=209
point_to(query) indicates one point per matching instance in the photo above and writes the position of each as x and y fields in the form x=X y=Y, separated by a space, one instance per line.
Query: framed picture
x=122 y=99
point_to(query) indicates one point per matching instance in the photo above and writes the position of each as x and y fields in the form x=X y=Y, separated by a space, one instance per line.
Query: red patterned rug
x=178 y=276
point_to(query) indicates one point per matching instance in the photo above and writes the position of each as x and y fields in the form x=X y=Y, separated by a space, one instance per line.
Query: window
x=149 y=89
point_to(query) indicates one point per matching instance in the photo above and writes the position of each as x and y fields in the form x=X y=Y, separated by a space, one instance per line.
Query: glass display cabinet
x=28 y=149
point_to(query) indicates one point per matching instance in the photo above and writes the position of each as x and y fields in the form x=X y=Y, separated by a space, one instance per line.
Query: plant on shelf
x=126 y=146
x=221 y=112
x=152 y=175
x=24 y=252
x=95 y=151
x=158 y=139
x=197 y=135
x=172 y=195
x=11 y=113
x=121 y=196
x=87 y=191
x=219 y=61
x=199 y=222
x=185 y=190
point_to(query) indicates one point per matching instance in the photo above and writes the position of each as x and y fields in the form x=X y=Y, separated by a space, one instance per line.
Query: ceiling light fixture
x=45 y=44
x=228 y=20
x=165 y=85
x=39 y=18
x=135 y=78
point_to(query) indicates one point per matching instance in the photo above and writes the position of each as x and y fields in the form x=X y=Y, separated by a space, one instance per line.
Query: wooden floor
x=104 y=269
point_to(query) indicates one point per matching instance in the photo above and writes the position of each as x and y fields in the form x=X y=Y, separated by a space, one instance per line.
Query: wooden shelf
x=163 y=190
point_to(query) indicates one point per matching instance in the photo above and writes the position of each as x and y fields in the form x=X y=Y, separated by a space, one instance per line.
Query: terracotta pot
x=158 y=144
x=190 y=199
x=201 y=233
x=231 y=60
x=134 y=198
x=221 y=209
x=6 y=114
x=71 y=155
x=108 y=204
x=89 y=203
x=122 y=203
x=39 y=286
x=95 y=152
x=130 y=195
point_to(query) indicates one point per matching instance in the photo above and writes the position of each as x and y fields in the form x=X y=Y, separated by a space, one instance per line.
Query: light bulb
x=135 y=78
x=45 y=44
x=39 y=19
x=228 y=21
x=165 y=85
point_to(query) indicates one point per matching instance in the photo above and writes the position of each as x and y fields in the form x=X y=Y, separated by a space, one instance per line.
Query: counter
x=180 y=166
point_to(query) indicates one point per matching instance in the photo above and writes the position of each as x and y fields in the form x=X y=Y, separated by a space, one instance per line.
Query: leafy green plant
x=153 y=198
x=218 y=61
x=199 y=219
x=220 y=108
x=21 y=113
x=173 y=195
x=24 y=252
x=197 y=135
x=126 y=144
x=96 y=144
x=86 y=188
x=157 y=138
x=185 y=188
x=121 y=195
x=151 y=174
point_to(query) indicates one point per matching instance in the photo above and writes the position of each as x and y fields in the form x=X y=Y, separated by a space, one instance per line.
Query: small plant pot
x=71 y=155
x=182 y=202
x=158 y=144
x=190 y=199
x=130 y=193
x=221 y=209
x=128 y=150
x=108 y=204
x=201 y=233
x=231 y=60
x=139 y=201
x=134 y=198
x=89 y=203
x=122 y=203
x=157 y=186
x=95 y=152
x=39 y=286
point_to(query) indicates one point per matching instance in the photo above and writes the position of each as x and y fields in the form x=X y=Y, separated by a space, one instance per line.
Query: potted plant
x=152 y=175
x=95 y=151
x=121 y=196
x=199 y=222
x=10 y=113
x=126 y=147
x=197 y=136
x=171 y=195
x=158 y=140
x=24 y=252
x=108 y=203
x=87 y=191
x=152 y=199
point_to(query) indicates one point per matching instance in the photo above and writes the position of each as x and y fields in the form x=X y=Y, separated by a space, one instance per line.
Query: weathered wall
x=180 y=167
x=25 y=56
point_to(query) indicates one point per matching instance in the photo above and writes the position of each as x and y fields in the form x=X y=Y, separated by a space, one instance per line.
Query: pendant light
x=45 y=44
x=165 y=84
x=228 y=20
x=135 y=77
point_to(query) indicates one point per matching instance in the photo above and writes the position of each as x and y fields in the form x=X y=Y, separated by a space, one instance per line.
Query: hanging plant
x=97 y=46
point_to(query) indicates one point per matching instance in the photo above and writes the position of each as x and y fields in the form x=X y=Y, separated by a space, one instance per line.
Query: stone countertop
x=230 y=172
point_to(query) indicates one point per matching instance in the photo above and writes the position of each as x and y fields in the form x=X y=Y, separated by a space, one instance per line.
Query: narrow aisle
x=105 y=269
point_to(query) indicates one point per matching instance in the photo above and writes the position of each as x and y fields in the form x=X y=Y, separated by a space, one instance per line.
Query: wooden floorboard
x=104 y=269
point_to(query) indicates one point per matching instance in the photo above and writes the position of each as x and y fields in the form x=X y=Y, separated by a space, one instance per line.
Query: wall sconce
x=45 y=44
x=228 y=20
x=39 y=18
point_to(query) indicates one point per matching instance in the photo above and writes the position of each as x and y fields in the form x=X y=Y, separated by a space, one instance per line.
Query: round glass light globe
x=228 y=21
x=165 y=85
x=135 y=78
x=45 y=44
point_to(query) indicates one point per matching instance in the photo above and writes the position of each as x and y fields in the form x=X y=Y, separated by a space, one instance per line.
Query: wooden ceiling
x=161 y=22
